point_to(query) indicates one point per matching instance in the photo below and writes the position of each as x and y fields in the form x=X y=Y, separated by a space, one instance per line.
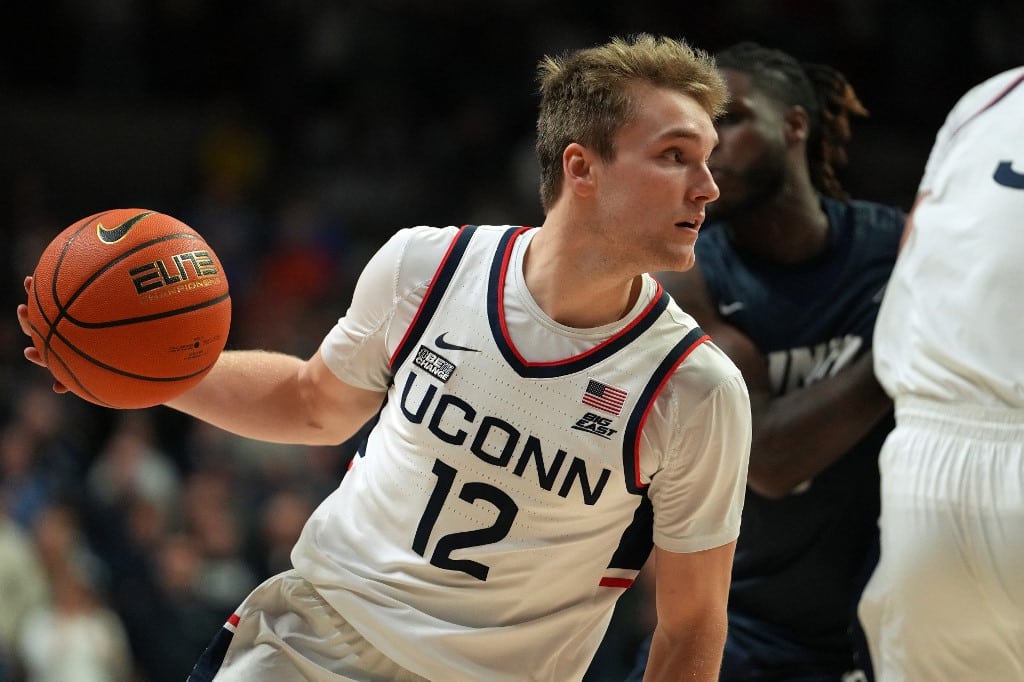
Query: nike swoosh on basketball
x=116 y=234
x=441 y=343
x=727 y=309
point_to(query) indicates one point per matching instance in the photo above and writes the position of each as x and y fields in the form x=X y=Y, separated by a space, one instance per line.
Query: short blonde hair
x=586 y=95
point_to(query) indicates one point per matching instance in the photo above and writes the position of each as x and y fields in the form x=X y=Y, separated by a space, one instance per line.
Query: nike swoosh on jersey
x=116 y=234
x=441 y=343
x=727 y=309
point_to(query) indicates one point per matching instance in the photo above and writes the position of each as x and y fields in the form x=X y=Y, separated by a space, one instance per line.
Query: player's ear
x=578 y=167
x=797 y=125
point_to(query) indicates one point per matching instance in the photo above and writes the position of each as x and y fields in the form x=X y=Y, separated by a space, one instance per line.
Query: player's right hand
x=31 y=353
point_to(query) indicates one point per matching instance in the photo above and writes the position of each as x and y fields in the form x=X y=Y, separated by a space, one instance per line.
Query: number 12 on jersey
x=446 y=544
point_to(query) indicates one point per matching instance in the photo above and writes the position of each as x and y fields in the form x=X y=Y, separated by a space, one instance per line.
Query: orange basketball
x=129 y=308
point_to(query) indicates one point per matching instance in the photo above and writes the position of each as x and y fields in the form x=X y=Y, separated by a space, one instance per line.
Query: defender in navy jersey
x=546 y=414
x=789 y=277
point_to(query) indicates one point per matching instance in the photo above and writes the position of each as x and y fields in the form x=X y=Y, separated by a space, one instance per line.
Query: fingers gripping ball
x=129 y=308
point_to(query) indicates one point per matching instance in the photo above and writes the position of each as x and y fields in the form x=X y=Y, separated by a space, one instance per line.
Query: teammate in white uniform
x=545 y=413
x=946 y=601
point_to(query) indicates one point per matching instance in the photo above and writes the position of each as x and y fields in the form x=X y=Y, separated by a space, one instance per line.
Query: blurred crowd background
x=296 y=136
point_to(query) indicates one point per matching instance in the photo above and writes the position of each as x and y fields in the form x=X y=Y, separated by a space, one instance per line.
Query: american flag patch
x=604 y=397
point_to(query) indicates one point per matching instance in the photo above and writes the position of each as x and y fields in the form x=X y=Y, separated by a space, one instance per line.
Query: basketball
x=129 y=308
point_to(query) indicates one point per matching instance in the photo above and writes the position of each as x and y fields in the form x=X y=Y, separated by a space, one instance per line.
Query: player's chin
x=680 y=260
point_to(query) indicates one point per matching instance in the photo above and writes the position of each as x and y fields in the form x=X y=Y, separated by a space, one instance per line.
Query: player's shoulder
x=979 y=98
x=425 y=235
x=705 y=366
x=429 y=237
x=422 y=247
x=420 y=250
x=867 y=211
x=708 y=377
x=871 y=221
x=708 y=366
x=993 y=86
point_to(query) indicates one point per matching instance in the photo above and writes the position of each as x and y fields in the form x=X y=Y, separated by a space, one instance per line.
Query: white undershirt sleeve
x=386 y=296
x=698 y=493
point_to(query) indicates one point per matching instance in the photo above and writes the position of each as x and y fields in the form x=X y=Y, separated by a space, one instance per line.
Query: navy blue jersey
x=800 y=560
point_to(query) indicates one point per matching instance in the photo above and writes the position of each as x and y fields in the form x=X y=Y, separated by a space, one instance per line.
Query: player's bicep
x=691 y=586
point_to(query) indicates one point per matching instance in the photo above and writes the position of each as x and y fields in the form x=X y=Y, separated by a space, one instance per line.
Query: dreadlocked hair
x=824 y=93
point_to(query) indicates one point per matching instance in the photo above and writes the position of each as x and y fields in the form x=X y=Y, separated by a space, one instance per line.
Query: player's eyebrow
x=687 y=133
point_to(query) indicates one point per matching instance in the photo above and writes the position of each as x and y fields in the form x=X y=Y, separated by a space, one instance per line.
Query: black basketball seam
x=53 y=287
x=147 y=318
x=61 y=308
x=45 y=338
x=55 y=275
x=42 y=337
x=130 y=375
x=111 y=263
x=78 y=382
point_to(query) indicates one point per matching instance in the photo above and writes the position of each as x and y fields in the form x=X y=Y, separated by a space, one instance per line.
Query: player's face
x=749 y=164
x=654 y=191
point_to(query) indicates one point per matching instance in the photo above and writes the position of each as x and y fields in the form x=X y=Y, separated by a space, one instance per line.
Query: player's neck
x=791 y=228
x=570 y=289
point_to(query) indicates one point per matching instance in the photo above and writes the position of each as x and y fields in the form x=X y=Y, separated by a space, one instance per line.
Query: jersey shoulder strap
x=435 y=292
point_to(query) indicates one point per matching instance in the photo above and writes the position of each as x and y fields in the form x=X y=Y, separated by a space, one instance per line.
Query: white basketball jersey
x=497 y=512
x=951 y=323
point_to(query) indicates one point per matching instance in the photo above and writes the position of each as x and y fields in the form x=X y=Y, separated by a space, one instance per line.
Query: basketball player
x=946 y=601
x=789 y=265
x=545 y=413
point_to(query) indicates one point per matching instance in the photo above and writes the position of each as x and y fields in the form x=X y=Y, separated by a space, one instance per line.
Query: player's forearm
x=800 y=434
x=256 y=394
x=693 y=655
